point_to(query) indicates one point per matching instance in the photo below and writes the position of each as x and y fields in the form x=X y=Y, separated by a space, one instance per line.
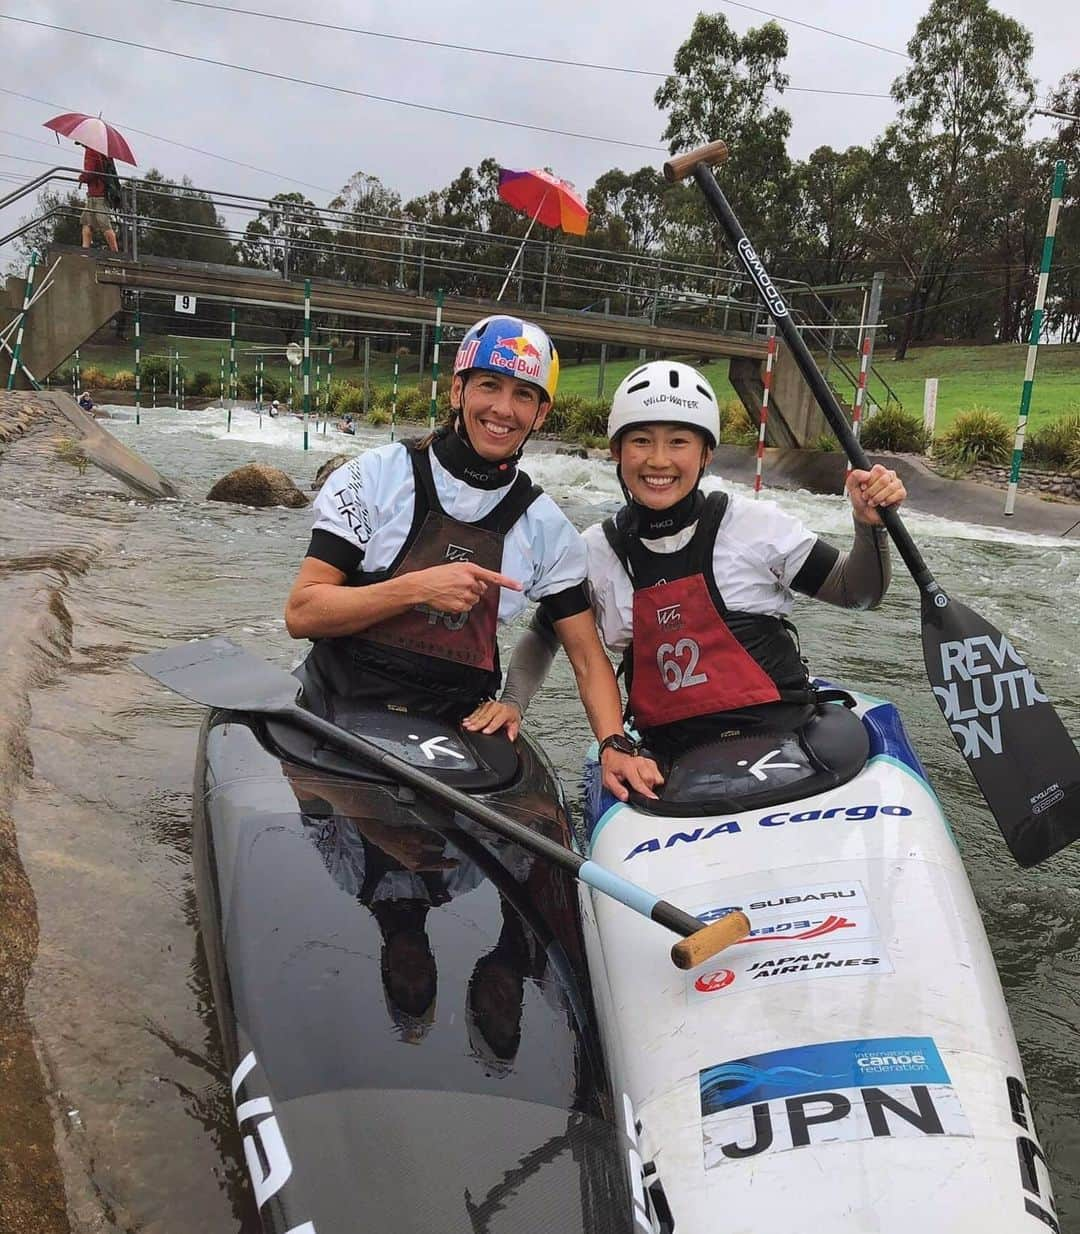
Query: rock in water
x=331 y=464
x=256 y=484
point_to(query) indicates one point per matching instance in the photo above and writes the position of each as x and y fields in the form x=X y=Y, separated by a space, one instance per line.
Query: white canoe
x=850 y=1067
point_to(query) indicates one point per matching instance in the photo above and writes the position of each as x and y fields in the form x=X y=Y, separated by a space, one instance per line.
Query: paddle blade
x=218 y=673
x=1024 y=760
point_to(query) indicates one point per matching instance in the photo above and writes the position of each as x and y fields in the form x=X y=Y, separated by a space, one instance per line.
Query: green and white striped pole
x=28 y=295
x=435 y=358
x=138 y=361
x=307 y=357
x=318 y=389
x=232 y=369
x=180 y=381
x=223 y=379
x=1036 y=333
x=153 y=390
x=76 y=376
x=393 y=399
x=329 y=384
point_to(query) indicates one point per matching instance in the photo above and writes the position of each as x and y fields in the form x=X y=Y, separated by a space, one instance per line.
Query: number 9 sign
x=674 y=674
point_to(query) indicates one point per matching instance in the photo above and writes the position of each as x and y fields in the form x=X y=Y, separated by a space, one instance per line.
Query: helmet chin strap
x=459 y=425
x=651 y=524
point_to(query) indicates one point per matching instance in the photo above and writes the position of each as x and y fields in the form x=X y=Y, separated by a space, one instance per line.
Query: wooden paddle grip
x=679 y=167
x=710 y=939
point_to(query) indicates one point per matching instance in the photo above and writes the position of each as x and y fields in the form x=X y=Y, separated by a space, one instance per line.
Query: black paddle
x=218 y=673
x=1018 y=750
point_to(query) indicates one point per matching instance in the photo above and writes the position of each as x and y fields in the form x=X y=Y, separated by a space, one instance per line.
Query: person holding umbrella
x=96 y=214
x=101 y=144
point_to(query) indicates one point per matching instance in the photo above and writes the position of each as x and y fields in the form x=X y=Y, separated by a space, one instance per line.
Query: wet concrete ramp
x=24 y=411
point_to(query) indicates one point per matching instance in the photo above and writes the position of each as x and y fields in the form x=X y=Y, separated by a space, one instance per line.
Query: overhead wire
x=171 y=142
x=311 y=23
x=321 y=85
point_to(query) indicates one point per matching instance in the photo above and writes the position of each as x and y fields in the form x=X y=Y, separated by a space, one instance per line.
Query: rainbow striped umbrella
x=545 y=198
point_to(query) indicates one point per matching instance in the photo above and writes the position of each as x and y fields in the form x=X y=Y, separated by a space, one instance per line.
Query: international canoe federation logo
x=709 y=983
x=761 y=277
x=941 y=600
x=524 y=359
x=458 y=552
x=669 y=617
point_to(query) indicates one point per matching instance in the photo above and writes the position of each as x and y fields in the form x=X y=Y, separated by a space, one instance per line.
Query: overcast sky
x=313 y=140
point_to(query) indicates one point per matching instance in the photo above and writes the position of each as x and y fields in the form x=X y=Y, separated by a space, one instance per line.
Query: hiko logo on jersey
x=524 y=359
x=457 y=552
x=670 y=615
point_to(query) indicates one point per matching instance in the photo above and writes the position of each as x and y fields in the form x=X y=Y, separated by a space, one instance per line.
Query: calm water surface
x=119 y=996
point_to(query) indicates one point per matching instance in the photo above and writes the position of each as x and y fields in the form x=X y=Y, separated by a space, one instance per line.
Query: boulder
x=331 y=464
x=573 y=451
x=256 y=484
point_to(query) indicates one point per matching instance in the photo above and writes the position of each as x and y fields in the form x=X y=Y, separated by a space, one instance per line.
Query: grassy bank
x=969 y=377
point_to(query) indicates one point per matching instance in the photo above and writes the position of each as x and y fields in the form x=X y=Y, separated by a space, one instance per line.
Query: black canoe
x=402 y=999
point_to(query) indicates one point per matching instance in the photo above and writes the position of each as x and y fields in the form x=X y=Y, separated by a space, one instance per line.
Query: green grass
x=199 y=354
x=968 y=377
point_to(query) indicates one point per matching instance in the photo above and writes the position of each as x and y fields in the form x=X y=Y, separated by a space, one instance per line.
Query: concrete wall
x=65 y=317
x=795 y=420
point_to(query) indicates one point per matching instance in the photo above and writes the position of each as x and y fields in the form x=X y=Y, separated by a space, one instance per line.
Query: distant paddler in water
x=419 y=550
x=695 y=590
x=86 y=401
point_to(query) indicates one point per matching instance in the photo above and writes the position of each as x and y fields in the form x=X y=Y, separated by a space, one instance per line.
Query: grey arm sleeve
x=530 y=662
x=861 y=577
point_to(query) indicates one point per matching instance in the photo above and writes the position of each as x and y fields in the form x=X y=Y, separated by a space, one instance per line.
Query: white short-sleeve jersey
x=368 y=502
x=759 y=551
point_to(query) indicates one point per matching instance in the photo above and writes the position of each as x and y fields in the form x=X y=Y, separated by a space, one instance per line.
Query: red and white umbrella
x=92 y=131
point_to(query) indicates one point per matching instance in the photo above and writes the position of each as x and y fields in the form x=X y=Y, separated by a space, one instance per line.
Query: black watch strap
x=617 y=741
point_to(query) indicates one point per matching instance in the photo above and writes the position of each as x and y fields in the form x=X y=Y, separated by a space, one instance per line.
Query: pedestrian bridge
x=88 y=285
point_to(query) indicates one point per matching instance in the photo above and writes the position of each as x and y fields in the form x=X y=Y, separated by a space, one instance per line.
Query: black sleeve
x=815 y=569
x=335 y=551
x=566 y=603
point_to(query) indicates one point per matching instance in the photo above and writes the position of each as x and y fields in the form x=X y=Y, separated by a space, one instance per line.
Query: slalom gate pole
x=76 y=376
x=28 y=295
x=1036 y=332
x=222 y=366
x=393 y=399
x=153 y=391
x=232 y=369
x=367 y=373
x=138 y=360
x=329 y=385
x=860 y=389
x=307 y=357
x=766 y=382
x=435 y=358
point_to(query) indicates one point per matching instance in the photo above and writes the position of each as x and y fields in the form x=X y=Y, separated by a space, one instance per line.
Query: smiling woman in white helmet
x=695 y=589
x=419 y=550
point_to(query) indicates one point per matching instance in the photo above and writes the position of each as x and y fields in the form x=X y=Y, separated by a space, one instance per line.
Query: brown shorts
x=96 y=214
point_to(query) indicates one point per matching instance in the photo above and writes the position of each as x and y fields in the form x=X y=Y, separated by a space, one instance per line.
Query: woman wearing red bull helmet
x=695 y=589
x=419 y=550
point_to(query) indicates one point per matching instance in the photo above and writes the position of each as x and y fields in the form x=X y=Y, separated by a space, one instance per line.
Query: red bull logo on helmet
x=524 y=360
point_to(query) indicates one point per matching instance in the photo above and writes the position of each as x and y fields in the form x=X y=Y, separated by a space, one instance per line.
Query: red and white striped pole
x=860 y=389
x=766 y=381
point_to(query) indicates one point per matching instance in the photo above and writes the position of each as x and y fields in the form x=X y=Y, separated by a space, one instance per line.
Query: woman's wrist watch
x=617 y=741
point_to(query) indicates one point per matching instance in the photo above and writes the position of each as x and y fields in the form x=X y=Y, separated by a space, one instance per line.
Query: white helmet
x=665 y=392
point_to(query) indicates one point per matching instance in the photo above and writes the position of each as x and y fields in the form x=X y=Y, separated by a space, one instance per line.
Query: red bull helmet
x=513 y=347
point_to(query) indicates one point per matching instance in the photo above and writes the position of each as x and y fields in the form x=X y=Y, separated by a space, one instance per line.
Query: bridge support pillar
x=63 y=319
x=794 y=416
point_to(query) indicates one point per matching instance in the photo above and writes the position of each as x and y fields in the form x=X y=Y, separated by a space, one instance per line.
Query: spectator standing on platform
x=96 y=213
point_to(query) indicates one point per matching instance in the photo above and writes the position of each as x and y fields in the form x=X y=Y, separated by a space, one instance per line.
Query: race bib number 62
x=677 y=675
